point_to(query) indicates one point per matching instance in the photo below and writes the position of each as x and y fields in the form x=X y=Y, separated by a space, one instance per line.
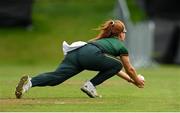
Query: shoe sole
x=19 y=87
x=86 y=92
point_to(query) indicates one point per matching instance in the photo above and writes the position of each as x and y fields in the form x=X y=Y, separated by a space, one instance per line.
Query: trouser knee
x=118 y=67
x=106 y=74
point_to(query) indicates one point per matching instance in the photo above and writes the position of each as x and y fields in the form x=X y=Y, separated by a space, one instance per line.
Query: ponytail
x=110 y=28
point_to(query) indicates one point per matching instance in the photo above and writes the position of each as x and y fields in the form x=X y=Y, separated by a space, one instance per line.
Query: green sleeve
x=123 y=51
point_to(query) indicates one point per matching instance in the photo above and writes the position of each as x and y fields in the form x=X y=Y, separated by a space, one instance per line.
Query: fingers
x=140 y=86
x=140 y=83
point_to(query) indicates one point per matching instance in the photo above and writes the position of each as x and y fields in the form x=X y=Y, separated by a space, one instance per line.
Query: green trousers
x=88 y=57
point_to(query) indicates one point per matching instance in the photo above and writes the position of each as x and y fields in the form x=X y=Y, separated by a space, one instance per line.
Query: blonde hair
x=110 y=28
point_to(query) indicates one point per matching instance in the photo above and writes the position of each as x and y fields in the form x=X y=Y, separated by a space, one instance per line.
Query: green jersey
x=112 y=46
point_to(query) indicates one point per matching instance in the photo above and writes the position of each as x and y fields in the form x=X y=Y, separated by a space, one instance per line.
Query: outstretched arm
x=130 y=70
x=125 y=76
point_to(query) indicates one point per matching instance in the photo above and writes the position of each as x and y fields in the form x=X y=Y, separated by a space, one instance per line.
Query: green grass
x=161 y=92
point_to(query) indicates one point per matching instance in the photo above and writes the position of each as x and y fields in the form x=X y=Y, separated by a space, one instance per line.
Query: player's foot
x=90 y=90
x=23 y=86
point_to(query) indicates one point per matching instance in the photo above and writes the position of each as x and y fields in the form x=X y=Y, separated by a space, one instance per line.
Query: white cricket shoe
x=23 y=86
x=90 y=90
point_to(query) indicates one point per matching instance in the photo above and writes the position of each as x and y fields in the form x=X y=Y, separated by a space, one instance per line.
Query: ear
x=120 y=35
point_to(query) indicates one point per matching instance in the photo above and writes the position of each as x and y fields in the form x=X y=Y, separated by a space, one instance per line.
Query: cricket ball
x=141 y=77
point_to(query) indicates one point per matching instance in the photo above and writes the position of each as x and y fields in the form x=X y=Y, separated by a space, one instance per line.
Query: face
x=122 y=36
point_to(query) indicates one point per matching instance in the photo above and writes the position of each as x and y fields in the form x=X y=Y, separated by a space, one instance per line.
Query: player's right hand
x=140 y=83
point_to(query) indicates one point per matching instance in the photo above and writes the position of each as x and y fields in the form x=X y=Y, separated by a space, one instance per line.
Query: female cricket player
x=99 y=54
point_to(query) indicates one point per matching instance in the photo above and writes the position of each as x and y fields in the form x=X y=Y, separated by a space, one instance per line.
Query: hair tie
x=113 y=22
